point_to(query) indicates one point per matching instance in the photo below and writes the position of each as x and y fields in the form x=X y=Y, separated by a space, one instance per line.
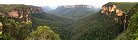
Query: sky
x=53 y=3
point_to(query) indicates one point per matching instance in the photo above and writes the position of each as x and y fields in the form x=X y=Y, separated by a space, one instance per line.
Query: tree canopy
x=43 y=33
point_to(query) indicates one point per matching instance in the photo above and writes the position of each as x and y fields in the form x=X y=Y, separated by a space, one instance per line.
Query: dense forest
x=27 y=22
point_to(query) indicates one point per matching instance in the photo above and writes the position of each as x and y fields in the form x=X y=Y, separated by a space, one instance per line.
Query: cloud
x=61 y=2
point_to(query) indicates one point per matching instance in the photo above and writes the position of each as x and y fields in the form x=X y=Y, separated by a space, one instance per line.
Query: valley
x=68 y=22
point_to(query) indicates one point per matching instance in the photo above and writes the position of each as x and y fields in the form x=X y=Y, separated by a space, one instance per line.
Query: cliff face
x=19 y=12
x=16 y=18
x=35 y=9
x=13 y=13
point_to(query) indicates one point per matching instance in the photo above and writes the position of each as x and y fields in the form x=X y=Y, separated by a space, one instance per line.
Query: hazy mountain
x=74 y=11
x=46 y=8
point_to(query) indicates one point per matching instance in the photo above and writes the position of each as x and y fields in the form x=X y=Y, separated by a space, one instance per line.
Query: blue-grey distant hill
x=74 y=11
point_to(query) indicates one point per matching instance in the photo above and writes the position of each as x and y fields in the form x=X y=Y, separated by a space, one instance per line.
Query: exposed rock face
x=24 y=14
x=13 y=13
x=35 y=9
x=108 y=9
x=19 y=12
x=20 y=15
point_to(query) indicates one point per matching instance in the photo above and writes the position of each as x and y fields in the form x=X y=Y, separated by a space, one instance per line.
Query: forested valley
x=70 y=22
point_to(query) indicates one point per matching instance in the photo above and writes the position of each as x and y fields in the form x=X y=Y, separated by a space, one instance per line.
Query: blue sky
x=53 y=3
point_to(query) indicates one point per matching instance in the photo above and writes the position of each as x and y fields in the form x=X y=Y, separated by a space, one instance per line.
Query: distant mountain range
x=73 y=11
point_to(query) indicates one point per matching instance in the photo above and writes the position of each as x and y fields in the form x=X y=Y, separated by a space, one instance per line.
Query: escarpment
x=120 y=12
x=19 y=12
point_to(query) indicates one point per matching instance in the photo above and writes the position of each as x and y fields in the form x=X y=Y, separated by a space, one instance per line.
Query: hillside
x=131 y=32
x=58 y=24
x=98 y=26
x=27 y=22
x=74 y=11
x=95 y=26
x=16 y=23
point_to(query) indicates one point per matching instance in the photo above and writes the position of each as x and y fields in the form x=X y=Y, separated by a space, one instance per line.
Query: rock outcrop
x=19 y=12
x=13 y=13
x=35 y=9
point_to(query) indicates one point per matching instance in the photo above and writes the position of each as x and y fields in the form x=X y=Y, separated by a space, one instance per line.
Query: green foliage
x=124 y=6
x=99 y=26
x=0 y=34
x=58 y=24
x=13 y=30
x=43 y=33
x=95 y=27
x=6 y=8
x=132 y=32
